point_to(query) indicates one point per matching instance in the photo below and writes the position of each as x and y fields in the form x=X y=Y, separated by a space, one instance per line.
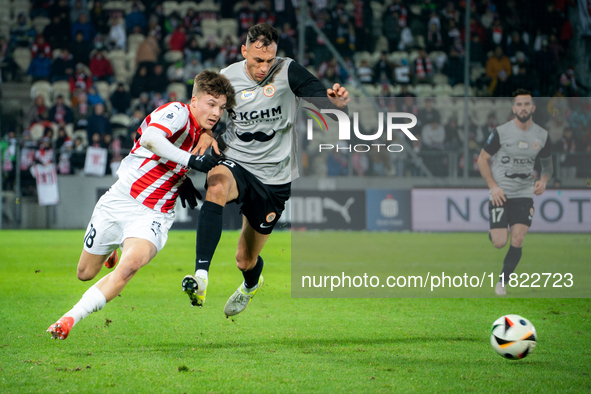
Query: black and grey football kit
x=260 y=141
x=515 y=154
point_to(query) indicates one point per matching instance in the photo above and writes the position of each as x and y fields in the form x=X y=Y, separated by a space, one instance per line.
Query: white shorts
x=116 y=218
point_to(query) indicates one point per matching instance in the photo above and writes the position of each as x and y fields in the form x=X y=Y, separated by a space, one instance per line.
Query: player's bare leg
x=136 y=253
x=250 y=245
x=499 y=237
x=90 y=265
x=221 y=188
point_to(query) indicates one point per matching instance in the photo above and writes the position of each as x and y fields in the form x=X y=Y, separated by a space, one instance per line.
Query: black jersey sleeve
x=493 y=143
x=304 y=84
x=546 y=150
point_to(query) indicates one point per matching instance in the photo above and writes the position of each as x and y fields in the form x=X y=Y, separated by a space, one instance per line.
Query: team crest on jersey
x=522 y=145
x=170 y=117
x=535 y=145
x=270 y=217
x=269 y=90
x=247 y=95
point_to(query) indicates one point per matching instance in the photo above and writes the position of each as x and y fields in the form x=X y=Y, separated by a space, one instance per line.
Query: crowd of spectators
x=410 y=44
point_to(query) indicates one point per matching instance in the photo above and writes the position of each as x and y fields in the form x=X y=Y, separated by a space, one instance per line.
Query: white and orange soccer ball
x=513 y=337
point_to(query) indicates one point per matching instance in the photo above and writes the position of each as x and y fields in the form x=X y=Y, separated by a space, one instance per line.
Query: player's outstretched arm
x=497 y=194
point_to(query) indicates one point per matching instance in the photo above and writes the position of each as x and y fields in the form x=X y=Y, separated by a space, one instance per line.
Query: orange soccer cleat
x=61 y=328
x=112 y=260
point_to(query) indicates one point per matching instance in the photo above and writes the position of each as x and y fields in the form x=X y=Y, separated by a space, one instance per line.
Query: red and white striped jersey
x=150 y=179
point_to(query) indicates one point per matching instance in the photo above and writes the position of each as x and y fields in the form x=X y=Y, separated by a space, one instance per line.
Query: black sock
x=489 y=236
x=209 y=232
x=511 y=260
x=251 y=277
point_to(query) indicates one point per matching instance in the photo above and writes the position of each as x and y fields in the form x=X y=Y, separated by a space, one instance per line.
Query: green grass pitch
x=149 y=340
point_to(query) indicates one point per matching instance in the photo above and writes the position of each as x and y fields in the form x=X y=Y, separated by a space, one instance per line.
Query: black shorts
x=261 y=204
x=513 y=211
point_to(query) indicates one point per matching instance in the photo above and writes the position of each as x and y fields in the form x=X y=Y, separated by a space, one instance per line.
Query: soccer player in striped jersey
x=138 y=210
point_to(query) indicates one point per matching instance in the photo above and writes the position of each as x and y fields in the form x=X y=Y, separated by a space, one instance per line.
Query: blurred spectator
x=488 y=128
x=57 y=33
x=453 y=33
x=140 y=82
x=566 y=147
x=81 y=78
x=178 y=39
x=245 y=17
x=402 y=73
x=144 y=104
x=452 y=137
x=100 y=67
x=99 y=18
x=21 y=32
x=454 y=67
x=61 y=9
x=78 y=156
x=84 y=26
x=229 y=51
x=148 y=51
x=434 y=40
x=496 y=35
x=211 y=54
x=94 y=97
x=37 y=112
x=44 y=155
x=137 y=118
x=192 y=50
x=60 y=113
x=329 y=72
x=337 y=163
x=516 y=44
x=157 y=100
x=392 y=26
x=364 y=72
x=7 y=65
x=383 y=66
x=81 y=49
x=432 y=133
x=117 y=35
x=568 y=83
x=423 y=68
x=159 y=79
x=450 y=12
x=62 y=138
x=40 y=45
x=191 y=22
x=135 y=18
x=523 y=79
x=498 y=68
x=404 y=91
x=120 y=100
x=98 y=123
x=81 y=110
x=556 y=126
x=287 y=43
x=176 y=72
x=77 y=9
x=476 y=51
x=62 y=68
x=8 y=147
x=40 y=67
x=191 y=69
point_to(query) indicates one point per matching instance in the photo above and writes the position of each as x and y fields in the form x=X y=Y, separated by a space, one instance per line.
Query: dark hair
x=263 y=32
x=521 y=92
x=210 y=82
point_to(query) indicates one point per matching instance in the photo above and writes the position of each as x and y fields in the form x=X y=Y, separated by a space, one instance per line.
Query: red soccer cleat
x=112 y=260
x=61 y=328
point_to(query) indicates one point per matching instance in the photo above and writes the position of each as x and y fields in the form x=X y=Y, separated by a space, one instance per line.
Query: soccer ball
x=513 y=337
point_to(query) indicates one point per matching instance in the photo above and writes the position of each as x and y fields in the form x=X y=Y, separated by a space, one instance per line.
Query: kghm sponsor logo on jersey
x=252 y=117
x=391 y=120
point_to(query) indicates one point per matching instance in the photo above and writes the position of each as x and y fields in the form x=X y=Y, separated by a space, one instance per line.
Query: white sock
x=201 y=273
x=92 y=301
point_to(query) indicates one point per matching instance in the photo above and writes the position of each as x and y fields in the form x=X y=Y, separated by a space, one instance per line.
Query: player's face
x=259 y=59
x=207 y=109
x=523 y=108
